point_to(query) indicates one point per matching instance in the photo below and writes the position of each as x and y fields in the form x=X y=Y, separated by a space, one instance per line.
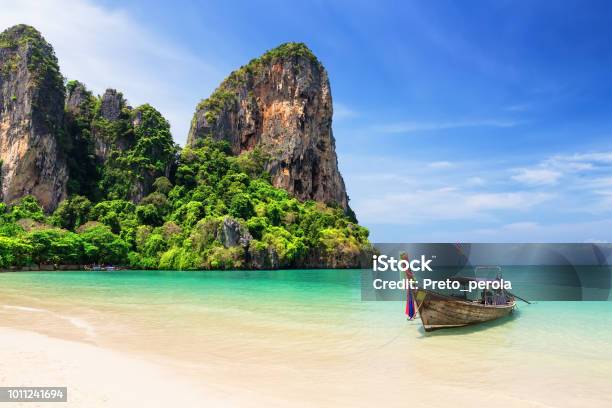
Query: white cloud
x=418 y=126
x=602 y=157
x=515 y=200
x=475 y=181
x=386 y=178
x=599 y=183
x=578 y=170
x=528 y=231
x=595 y=241
x=108 y=48
x=440 y=165
x=480 y=200
x=341 y=111
x=448 y=203
x=537 y=176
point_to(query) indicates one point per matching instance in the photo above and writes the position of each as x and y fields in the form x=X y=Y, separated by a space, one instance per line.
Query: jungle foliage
x=200 y=207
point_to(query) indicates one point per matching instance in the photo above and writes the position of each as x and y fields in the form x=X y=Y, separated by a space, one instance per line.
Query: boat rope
x=380 y=346
x=419 y=306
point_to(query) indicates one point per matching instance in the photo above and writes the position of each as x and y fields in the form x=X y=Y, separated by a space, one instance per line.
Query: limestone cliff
x=280 y=102
x=117 y=151
x=80 y=156
x=112 y=128
x=31 y=118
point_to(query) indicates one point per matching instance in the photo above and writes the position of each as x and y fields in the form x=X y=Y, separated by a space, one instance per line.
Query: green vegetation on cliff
x=218 y=212
x=226 y=92
x=41 y=59
x=141 y=149
x=80 y=155
x=119 y=157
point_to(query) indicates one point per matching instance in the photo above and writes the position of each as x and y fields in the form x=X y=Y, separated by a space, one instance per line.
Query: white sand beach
x=95 y=377
x=98 y=377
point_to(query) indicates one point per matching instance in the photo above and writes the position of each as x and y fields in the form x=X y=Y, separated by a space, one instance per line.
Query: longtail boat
x=440 y=311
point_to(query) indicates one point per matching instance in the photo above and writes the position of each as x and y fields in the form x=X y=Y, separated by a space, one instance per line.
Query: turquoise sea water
x=326 y=297
x=315 y=322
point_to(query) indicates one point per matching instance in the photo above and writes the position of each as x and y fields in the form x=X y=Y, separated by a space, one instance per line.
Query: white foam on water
x=80 y=323
x=75 y=321
x=24 y=308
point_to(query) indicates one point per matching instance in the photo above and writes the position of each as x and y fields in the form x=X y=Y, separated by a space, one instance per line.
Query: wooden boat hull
x=439 y=311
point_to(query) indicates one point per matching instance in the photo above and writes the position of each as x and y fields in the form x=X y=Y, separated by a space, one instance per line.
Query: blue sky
x=454 y=121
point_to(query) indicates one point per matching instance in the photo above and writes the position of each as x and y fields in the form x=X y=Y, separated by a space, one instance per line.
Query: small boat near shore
x=440 y=311
x=103 y=268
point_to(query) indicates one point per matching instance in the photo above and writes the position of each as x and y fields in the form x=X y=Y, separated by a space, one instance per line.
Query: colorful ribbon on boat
x=410 y=306
x=410 y=309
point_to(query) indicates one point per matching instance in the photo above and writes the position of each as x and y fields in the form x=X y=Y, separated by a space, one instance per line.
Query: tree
x=241 y=206
x=149 y=214
x=72 y=213
x=14 y=252
x=104 y=246
x=162 y=185
x=28 y=207
x=55 y=246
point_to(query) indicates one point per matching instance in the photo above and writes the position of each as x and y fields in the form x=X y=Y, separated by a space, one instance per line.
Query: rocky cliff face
x=113 y=114
x=31 y=118
x=281 y=103
x=79 y=113
x=119 y=151
x=77 y=99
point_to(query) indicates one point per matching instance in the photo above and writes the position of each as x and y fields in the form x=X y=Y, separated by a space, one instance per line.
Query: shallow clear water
x=312 y=325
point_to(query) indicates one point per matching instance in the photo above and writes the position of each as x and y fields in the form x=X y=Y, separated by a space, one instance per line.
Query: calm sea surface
x=309 y=328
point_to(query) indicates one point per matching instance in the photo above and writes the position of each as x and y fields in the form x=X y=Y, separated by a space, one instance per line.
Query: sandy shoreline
x=98 y=377
x=95 y=377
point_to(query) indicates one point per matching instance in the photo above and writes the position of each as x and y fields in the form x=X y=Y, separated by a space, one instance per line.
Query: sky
x=454 y=121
